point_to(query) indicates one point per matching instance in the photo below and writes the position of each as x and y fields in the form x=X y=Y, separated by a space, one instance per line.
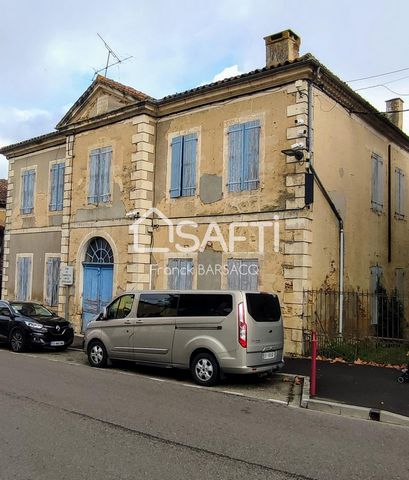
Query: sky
x=49 y=50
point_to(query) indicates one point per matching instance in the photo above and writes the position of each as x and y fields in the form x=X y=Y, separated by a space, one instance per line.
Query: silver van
x=208 y=332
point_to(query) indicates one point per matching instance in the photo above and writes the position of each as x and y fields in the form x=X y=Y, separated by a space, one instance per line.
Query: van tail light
x=242 y=326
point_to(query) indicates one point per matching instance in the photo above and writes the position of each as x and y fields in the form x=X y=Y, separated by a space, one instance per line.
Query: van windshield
x=263 y=307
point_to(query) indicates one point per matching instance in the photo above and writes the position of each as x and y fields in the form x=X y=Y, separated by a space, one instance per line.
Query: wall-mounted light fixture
x=298 y=153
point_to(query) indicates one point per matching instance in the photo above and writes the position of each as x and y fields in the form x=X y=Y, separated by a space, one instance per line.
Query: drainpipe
x=331 y=204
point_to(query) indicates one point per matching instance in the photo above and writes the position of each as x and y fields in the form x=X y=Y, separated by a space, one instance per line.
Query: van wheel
x=97 y=355
x=205 y=369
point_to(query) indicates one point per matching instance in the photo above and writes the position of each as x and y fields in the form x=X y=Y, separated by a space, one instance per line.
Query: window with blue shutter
x=244 y=156
x=27 y=191
x=100 y=176
x=52 y=280
x=180 y=274
x=400 y=193
x=57 y=187
x=23 y=273
x=183 y=166
x=377 y=183
x=242 y=274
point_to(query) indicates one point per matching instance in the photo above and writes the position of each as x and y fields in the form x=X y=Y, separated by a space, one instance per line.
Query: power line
x=379 y=75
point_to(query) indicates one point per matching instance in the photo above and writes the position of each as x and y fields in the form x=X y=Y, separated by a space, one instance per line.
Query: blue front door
x=97 y=290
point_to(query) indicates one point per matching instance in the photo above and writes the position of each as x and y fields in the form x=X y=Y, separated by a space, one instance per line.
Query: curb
x=352 y=411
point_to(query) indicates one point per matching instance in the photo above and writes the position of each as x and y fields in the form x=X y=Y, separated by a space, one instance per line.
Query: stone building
x=281 y=179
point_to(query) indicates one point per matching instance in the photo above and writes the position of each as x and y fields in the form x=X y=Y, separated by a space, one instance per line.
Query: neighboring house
x=213 y=154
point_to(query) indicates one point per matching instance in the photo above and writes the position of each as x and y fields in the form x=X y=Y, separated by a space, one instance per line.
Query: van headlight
x=36 y=326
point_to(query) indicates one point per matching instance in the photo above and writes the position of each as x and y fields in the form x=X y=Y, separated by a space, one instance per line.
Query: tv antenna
x=114 y=55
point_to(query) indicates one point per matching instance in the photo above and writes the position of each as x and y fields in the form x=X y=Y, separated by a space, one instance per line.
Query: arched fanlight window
x=99 y=251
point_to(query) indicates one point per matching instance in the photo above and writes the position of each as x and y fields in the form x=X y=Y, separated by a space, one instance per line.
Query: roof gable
x=103 y=96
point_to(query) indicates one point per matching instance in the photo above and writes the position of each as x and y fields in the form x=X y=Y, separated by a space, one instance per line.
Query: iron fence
x=375 y=314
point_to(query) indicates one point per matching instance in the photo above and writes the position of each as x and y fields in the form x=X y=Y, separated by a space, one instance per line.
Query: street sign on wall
x=67 y=276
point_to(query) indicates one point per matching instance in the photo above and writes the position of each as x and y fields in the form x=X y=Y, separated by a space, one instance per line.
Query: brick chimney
x=395 y=107
x=282 y=47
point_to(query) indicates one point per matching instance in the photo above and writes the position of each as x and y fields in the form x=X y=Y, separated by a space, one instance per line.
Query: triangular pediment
x=103 y=96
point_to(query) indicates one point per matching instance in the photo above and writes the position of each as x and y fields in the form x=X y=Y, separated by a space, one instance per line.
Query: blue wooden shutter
x=173 y=265
x=189 y=165
x=249 y=275
x=54 y=187
x=180 y=274
x=236 y=137
x=250 y=175
x=105 y=174
x=233 y=277
x=93 y=177
x=60 y=186
x=185 y=274
x=53 y=280
x=23 y=278
x=176 y=167
x=27 y=201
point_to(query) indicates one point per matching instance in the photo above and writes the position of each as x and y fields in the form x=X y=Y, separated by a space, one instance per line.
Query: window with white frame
x=183 y=166
x=57 y=186
x=180 y=273
x=23 y=277
x=27 y=190
x=400 y=193
x=377 y=183
x=52 y=277
x=100 y=176
x=242 y=274
x=244 y=153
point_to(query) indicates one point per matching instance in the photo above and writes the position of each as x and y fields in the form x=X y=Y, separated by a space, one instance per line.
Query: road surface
x=65 y=420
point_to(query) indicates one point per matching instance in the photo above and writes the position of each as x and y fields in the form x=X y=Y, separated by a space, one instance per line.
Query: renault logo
x=57 y=328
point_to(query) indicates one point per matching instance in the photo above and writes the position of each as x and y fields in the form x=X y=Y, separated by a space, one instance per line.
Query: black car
x=27 y=324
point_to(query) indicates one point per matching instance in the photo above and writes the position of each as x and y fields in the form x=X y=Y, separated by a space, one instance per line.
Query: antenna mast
x=110 y=52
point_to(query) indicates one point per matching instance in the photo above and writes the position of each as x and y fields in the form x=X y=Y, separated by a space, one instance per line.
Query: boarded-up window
x=100 y=176
x=27 y=191
x=57 y=186
x=183 y=166
x=23 y=275
x=400 y=193
x=180 y=273
x=52 y=280
x=244 y=152
x=375 y=282
x=242 y=274
x=377 y=183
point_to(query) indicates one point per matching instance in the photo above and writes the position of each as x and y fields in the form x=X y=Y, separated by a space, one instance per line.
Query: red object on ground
x=313 y=384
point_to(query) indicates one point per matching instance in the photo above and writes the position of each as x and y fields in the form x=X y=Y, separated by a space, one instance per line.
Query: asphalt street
x=63 y=419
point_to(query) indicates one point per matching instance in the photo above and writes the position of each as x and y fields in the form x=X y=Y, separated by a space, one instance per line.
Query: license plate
x=57 y=344
x=269 y=355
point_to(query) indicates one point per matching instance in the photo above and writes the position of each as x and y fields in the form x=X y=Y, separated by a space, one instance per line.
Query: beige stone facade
x=299 y=105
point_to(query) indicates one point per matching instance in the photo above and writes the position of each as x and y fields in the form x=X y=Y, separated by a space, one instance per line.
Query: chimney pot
x=394 y=112
x=282 y=47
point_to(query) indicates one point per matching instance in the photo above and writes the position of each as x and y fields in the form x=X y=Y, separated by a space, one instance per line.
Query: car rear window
x=157 y=305
x=205 y=305
x=263 y=307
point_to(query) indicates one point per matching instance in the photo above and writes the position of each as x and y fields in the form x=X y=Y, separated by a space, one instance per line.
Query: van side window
x=120 y=308
x=204 y=305
x=263 y=307
x=157 y=305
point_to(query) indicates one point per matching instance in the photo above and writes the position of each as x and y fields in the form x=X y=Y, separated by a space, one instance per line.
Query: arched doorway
x=98 y=268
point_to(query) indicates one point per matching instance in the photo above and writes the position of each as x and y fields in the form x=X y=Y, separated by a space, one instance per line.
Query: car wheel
x=205 y=369
x=97 y=355
x=17 y=341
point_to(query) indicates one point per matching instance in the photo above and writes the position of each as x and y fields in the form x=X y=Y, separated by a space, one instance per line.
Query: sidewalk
x=373 y=387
